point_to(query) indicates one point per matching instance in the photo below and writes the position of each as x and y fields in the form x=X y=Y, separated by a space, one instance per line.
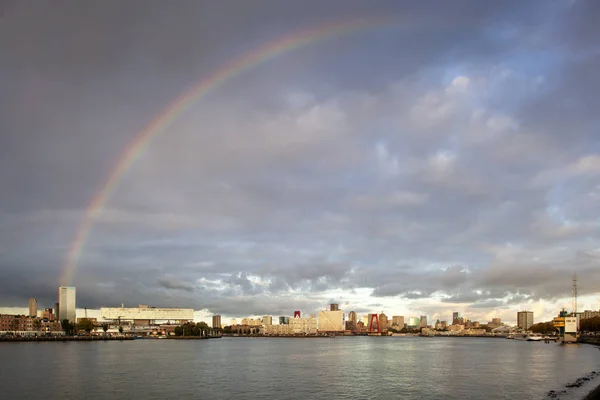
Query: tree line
x=544 y=328
x=590 y=324
x=191 y=329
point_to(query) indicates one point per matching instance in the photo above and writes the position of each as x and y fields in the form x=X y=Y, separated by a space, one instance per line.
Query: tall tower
x=352 y=317
x=296 y=314
x=66 y=304
x=33 y=307
x=574 y=293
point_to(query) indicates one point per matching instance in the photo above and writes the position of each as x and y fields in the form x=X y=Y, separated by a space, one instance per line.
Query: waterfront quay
x=62 y=338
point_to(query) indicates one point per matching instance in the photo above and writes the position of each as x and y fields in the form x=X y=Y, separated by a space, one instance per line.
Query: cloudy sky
x=446 y=160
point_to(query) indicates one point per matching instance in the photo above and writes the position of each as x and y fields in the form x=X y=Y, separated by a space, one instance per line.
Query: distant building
x=397 y=322
x=48 y=314
x=267 y=320
x=494 y=323
x=413 y=322
x=16 y=323
x=334 y=307
x=360 y=326
x=216 y=321
x=456 y=318
x=284 y=320
x=589 y=314
x=352 y=317
x=67 y=303
x=423 y=321
x=303 y=325
x=56 y=311
x=145 y=315
x=525 y=319
x=456 y=328
x=251 y=322
x=383 y=322
x=32 y=307
x=94 y=320
x=281 y=329
x=331 y=321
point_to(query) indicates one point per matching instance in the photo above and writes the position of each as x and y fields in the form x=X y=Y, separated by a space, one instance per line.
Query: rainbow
x=171 y=112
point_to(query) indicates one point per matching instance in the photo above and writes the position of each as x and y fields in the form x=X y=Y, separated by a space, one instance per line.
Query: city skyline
x=254 y=159
x=67 y=296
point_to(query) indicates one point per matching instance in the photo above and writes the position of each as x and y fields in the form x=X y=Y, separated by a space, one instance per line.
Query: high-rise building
x=456 y=318
x=525 y=319
x=413 y=322
x=284 y=320
x=216 y=321
x=66 y=303
x=334 y=307
x=32 y=307
x=331 y=321
x=423 y=321
x=352 y=317
x=397 y=322
x=383 y=321
x=267 y=320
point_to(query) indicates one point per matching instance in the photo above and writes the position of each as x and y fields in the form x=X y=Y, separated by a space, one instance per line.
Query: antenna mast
x=574 y=293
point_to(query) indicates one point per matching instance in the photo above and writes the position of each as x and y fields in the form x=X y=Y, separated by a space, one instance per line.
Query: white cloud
x=588 y=164
x=388 y=164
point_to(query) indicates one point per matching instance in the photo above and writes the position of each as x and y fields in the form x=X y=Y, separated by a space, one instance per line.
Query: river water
x=287 y=368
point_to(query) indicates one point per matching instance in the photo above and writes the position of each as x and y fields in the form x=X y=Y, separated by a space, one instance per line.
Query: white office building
x=66 y=303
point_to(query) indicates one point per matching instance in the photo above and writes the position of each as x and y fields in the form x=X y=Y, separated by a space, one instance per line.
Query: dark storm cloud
x=450 y=159
x=173 y=283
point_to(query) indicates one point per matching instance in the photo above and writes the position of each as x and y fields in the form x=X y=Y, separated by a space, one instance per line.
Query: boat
x=520 y=336
x=534 y=337
x=529 y=337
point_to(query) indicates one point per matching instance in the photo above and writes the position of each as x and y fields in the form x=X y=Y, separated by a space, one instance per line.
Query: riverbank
x=594 y=394
x=586 y=387
x=62 y=338
x=188 y=337
x=594 y=341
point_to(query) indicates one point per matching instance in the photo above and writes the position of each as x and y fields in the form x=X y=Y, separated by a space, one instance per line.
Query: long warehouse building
x=144 y=315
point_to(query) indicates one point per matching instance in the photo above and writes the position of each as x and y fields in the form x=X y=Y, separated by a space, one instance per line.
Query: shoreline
x=595 y=393
x=64 y=338
x=98 y=338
